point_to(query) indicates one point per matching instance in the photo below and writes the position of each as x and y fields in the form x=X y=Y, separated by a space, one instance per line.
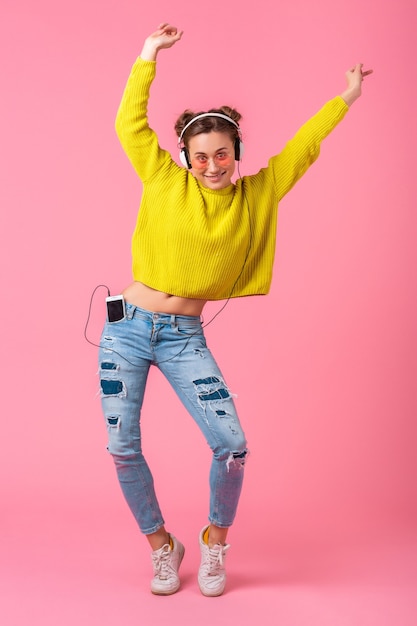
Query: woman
x=197 y=238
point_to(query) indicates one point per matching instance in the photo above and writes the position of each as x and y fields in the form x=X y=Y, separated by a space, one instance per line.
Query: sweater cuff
x=343 y=106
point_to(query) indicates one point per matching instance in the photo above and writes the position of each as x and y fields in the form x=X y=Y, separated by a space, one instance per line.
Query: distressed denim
x=177 y=346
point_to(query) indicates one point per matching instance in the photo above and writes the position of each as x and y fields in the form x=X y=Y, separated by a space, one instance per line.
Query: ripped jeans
x=177 y=346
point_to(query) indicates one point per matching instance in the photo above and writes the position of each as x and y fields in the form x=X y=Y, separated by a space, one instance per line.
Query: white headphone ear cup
x=241 y=150
x=183 y=158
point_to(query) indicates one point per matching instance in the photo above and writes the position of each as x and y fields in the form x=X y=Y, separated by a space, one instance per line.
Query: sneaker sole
x=214 y=594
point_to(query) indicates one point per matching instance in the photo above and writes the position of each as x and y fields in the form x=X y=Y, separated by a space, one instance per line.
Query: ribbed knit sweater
x=195 y=242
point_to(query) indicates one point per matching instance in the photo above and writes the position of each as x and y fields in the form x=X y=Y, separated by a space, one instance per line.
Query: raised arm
x=304 y=148
x=139 y=141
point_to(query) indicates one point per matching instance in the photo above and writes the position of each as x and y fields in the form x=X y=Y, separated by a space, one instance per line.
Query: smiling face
x=212 y=157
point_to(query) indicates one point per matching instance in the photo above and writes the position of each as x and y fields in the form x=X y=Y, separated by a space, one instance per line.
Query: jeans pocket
x=188 y=330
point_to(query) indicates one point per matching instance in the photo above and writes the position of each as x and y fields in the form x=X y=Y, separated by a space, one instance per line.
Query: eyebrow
x=218 y=150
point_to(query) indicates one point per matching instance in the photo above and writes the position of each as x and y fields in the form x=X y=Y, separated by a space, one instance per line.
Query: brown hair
x=208 y=124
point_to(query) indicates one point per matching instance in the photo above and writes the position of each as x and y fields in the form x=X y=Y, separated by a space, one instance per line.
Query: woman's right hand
x=165 y=37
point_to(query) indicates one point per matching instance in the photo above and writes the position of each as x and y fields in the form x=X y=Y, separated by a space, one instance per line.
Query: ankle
x=215 y=535
x=159 y=539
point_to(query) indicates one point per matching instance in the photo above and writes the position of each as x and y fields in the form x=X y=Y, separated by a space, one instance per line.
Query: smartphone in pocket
x=116 y=310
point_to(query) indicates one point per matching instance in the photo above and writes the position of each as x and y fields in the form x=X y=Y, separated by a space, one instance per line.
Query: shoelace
x=161 y=564
x=215 y=560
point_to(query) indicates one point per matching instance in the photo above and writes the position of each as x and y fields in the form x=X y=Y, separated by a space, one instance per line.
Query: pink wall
x=326 y=374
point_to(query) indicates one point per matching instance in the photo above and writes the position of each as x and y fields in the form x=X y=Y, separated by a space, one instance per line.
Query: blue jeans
x=177 y=346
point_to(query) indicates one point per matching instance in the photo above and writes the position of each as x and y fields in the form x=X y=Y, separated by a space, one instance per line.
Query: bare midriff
x=150 y=299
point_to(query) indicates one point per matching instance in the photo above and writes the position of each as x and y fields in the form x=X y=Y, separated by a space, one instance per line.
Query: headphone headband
x=199 y=117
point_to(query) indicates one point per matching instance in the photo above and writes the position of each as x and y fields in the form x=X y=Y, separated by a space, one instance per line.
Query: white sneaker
x=166 y=562
x=212 y=575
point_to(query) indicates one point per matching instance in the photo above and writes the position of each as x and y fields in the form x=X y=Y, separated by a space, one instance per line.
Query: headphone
x=239 y=147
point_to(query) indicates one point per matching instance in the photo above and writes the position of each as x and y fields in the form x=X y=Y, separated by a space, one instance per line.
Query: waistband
x=160 y=318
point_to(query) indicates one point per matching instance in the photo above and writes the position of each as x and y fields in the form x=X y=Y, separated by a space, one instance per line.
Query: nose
x=212 y=166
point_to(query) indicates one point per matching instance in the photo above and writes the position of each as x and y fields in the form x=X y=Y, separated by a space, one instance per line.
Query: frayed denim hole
x=112 y=388
x=237 y=459
x=211 y=388
x=107 y=365
x=113 y=421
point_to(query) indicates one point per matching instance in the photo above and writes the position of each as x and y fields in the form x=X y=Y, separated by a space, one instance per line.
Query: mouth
x=214 y=177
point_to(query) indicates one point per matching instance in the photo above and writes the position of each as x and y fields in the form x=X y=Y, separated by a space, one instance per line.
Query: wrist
x=350 y=95
x=149 y=51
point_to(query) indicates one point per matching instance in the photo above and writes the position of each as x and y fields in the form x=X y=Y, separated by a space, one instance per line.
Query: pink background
x=326 y=374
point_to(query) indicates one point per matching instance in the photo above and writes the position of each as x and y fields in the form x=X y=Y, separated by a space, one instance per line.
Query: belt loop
x=130 y=311
x=173 y=322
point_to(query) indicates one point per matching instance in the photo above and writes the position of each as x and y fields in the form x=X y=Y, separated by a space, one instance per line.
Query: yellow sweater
x=195 y=242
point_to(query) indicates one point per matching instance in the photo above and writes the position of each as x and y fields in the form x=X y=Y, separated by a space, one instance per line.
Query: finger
x=170 y=30
x=367 y=72
x=174 y=33
x=166 y=29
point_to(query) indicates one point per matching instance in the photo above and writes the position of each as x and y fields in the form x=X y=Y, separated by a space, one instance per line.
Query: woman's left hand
x=354 y=78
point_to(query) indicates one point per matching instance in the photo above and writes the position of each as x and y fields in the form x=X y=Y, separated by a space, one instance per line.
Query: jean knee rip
x=212 y=393
x=113 y=421
x=211 y=389
x=237 y=459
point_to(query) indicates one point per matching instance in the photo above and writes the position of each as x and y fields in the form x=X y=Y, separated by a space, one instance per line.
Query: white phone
x=116 y=310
